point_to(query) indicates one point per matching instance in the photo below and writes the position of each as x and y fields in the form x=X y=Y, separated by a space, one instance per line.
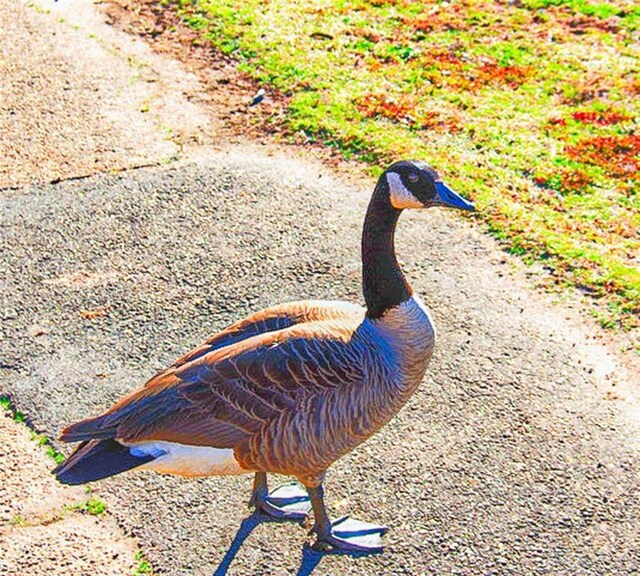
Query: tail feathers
x=98 y=459
x=92 y=428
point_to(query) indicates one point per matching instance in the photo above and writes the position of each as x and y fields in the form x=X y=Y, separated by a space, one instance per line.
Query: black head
x=413 y=184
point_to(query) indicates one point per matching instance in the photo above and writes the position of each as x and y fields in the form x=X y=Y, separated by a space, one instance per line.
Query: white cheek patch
x=399 y=196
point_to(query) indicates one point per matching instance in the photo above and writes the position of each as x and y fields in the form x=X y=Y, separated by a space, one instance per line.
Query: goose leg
x=288 y=502
x=345 y=534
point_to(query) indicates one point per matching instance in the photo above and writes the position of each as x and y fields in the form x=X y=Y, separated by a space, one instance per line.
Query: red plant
x=619 y=155
x=582 y=24
x=403 y=109
x=566 y=181
x=443 y=56
x=436 y=22
x=440 y=19
x=574 y=181
x=440 y=122
x=512 y=76
x=600 y=118
x=367 y=34
x=400 y=110
x=633 y=85
x=541 y=181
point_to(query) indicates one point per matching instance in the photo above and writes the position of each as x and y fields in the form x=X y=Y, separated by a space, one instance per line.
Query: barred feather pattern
x=290 y=401
x=371 y=379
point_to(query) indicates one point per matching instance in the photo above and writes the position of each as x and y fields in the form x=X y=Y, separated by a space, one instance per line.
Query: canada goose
x=288 y=390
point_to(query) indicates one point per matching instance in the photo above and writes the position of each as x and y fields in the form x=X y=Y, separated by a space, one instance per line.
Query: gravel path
x=76 y=98
x=518 y=455
x=512 y=457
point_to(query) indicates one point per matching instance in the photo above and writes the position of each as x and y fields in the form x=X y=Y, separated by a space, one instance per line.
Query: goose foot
x=345 y=534
x=287 y=502
x=349 y=535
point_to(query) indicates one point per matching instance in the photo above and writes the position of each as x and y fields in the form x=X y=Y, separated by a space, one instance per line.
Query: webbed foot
x=349 y=535
x=287 y=502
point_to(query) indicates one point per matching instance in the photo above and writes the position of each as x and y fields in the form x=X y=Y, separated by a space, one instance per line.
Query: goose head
x=413 y=184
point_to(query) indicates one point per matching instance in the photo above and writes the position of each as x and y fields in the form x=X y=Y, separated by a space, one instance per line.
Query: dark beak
x=447 y=197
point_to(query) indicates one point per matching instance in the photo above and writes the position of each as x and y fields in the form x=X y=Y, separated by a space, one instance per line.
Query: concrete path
x=518 y=455
x=78 y=98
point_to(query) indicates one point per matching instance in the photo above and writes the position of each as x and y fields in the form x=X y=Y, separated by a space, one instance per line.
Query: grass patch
x=18 y=521
x=530 y=108
x=41 y=439
x=93 y=506
x=143 y=566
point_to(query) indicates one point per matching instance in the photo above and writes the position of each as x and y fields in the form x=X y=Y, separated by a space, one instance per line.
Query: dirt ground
x=43 y=529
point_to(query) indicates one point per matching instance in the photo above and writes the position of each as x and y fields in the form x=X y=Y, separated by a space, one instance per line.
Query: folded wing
x=224 y=397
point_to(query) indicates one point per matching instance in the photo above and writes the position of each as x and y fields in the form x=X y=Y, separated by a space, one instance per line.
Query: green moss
x=143 y=566
x=40 y=439
x=93 y=506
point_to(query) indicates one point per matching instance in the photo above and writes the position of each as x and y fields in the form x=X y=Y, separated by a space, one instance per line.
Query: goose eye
x=413 y=177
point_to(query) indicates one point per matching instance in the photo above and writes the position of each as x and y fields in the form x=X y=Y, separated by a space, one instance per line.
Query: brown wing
x=268 y=320
x=223 y=398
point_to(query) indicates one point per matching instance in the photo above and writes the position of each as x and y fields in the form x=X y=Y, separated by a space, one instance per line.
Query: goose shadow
x=310 y=557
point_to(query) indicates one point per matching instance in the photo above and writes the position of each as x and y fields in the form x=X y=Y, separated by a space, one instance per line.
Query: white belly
x=187 y=460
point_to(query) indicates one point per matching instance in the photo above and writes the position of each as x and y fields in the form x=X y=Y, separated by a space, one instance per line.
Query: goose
x=287 y=390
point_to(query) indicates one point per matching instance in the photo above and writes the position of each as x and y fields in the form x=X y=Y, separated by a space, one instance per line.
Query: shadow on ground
x=310 y=557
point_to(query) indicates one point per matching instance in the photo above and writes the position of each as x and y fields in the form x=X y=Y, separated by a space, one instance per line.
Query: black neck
x=383 y=283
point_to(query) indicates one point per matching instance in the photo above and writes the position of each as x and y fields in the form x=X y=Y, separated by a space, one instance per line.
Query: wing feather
x=265 y=321
x=226 y=396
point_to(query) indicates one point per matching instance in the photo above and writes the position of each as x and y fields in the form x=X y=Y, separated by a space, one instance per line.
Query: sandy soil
x=40 y=531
